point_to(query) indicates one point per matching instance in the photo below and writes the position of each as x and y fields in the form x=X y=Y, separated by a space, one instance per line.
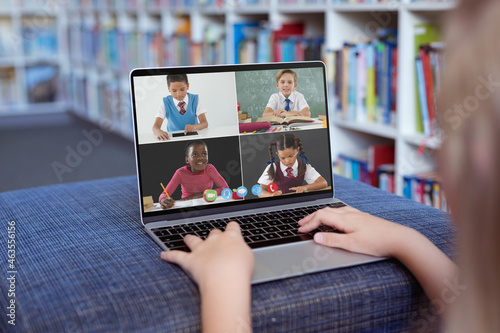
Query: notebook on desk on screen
x=266 y=181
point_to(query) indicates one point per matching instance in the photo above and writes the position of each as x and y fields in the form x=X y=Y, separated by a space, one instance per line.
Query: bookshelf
x=31 y=61
x=102 y=40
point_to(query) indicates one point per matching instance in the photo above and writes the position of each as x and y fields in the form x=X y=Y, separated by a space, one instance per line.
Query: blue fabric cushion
x=84 y=263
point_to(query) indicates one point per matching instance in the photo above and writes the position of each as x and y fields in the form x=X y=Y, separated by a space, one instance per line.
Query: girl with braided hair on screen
x=291 y=169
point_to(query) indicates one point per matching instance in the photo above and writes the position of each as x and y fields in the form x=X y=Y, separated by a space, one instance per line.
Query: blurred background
x=65 y=111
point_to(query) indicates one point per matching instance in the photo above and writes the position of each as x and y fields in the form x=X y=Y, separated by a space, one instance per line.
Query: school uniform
x=192 y=183
x=297 y=102
x=286 y=181
x=170 y=110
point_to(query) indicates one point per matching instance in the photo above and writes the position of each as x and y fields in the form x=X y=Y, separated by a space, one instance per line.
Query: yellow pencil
x=168 y=196
x=254 y=131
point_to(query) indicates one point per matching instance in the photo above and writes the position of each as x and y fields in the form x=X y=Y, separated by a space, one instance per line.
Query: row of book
x=367 y=165
x=106 y=45
x=38 y=37
x=256 y=42
x=7 y=47
x=158 y=4
x=425 y=188
x=364 y=1
x=365 y=80
x=429 y=63
x=103 y=101
x=375 y=167
x=41 y=83
x=9 y=92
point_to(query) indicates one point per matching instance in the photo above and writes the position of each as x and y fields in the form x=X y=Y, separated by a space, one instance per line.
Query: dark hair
x=192 y=143
x=287 y=141
x=177 y=78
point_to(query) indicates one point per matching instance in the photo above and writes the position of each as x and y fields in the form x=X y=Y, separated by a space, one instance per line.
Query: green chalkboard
x=254 y=88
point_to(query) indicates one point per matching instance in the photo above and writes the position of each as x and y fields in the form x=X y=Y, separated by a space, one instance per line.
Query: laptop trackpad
x=301 y=258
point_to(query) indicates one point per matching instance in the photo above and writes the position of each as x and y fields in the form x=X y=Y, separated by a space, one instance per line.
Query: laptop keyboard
x=258 y=230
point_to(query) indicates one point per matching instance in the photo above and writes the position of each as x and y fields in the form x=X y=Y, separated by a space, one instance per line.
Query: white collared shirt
x=297 y=101
x=309 y=177
x=199 y=109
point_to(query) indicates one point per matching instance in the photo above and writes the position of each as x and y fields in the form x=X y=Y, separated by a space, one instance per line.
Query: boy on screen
x=287 y=102
x=182 y=110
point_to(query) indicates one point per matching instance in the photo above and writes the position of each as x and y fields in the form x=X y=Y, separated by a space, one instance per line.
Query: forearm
x=268 y=112
x=156 y=128
x=225 y=305
x=264 y=194
x=201 y=126
x=306 y=112
x=318 y=184
x=431 y=267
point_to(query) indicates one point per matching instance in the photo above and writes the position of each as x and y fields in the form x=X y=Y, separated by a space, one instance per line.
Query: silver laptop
x=222 y=174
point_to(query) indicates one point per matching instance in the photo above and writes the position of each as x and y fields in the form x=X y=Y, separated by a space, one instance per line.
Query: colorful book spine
x=422 y=97
x=366 y=81
x=425 y=188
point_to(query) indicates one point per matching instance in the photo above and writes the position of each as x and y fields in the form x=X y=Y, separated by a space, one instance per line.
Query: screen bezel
x=232 y=206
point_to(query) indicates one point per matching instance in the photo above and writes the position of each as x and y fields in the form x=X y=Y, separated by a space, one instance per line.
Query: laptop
x=232 y=182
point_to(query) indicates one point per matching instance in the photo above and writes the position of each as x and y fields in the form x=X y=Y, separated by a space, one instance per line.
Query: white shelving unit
x=21 y=23
x=88 y=79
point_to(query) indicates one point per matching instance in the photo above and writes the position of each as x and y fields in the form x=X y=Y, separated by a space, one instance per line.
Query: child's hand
x=363 y=233
x=161 y=135
x=299 y=189
x=280 y=113
x=277 y=193
x=167 y=203
x=189 y=128
x=223 y=257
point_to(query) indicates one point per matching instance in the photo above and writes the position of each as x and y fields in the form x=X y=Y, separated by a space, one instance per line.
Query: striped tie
x=181 y=106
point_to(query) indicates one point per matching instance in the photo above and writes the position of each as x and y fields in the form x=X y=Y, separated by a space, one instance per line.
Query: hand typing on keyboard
x=362 y=232
x=221 y=254
x=222 y=266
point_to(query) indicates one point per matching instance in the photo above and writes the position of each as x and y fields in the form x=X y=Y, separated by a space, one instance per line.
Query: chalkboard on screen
x=254 y=88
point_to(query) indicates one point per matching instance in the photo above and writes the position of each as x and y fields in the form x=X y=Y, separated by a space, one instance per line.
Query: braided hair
x=282 y=142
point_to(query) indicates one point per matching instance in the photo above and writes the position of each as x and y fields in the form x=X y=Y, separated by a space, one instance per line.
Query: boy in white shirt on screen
x=288 y=102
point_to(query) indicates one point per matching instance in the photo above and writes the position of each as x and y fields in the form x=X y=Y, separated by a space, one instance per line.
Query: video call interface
x=224 y=138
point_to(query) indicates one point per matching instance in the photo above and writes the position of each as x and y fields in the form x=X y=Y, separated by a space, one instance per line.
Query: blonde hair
x=286 y=71
x=469 y=107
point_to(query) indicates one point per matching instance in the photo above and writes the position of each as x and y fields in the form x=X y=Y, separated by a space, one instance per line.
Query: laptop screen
x=214 y=139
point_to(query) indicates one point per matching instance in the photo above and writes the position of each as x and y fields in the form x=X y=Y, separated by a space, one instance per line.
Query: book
x=422 y=98
x=243 y=32
x=423 y=34
x=364 y=165
x=286 y=31
x=322 y=116
x=353 y=166
x=147 y=202
x=385 y=175
x=285 y=121
x=425 y=187
x=379 y=155
x=429 y=86
x=41 y=83
x=366 y=80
